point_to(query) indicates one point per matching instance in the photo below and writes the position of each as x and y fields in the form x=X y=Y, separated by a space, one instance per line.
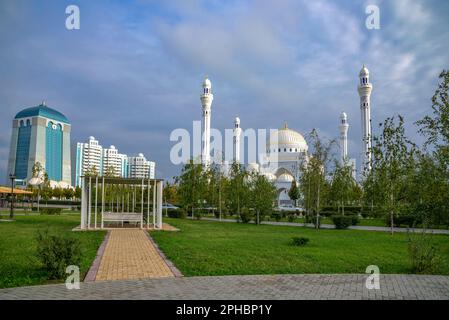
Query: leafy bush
x=176 y=213
x=50 y=211
x=291 y=217
x=341 y=222
x=197 y=215
x=423 y=254
x=56 y=252
x=276 y=215
x=245 y=216
x=300 y=241
x=406 y=220
x=354 y=219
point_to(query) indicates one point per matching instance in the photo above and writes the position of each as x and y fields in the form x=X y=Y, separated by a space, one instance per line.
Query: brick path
x=246 y=287
x=129 y=254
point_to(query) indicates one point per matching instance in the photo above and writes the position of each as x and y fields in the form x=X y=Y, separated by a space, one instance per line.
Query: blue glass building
x=40 y=134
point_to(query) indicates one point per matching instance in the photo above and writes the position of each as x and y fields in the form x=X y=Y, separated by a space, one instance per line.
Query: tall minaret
x=237 y=133
x=206 y=101
x=365 y=89
x=344 y=126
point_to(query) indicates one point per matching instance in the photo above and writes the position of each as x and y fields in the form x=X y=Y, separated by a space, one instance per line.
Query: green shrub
x=341 y=222
x=300 y=241
x=423 y=254
x=354 y=219
x=197 y=215
x=50 y=211
x=57 y=252
x=291 y=217
x=245 y=216
x=176 y=213
x=276 y=215
x=404 y=220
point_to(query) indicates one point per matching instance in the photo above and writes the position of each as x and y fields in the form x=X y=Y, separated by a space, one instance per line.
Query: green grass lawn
x=214 y=248
x=18 y=264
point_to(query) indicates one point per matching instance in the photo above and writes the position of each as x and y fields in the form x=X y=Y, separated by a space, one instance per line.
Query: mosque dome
x=288 y=138
x=285 y=177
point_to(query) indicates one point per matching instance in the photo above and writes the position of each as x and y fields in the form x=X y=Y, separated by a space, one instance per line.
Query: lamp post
x=13 y=178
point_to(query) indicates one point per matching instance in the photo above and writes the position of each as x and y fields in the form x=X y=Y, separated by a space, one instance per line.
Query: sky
x=133 y=71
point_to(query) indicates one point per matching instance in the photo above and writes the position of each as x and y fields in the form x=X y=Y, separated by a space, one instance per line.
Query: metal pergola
x=119 y=197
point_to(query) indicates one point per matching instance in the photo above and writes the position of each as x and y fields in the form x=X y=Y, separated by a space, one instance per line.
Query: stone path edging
x=92 y=273
x=170 y=264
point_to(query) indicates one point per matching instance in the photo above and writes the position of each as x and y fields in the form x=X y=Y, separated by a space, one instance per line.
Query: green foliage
x=50 y=211
x=276 y=215
x=291 y=217
x=192 y=185
x=176 y=213
x=423 y=254
x=341 y=222
x=245 y=216
x=404 y=220
x=262 y=196
x=294 y=193
x=300 y=241
x=56 y=252
x=343 y=189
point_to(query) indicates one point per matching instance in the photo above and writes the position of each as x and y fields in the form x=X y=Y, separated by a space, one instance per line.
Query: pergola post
x=102 y=204
x=89 y=209
x=154 y=204
x=159 y=204
x=83 y=203
x=96 y=200
x=141 y=208
x=148 y=204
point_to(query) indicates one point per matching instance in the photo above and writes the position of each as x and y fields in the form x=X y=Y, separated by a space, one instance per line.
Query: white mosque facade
x=286 y=149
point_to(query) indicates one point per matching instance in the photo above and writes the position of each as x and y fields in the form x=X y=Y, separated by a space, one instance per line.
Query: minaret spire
x=206 y=101
x=365 y=88
x=237 y=133
x=344 y=126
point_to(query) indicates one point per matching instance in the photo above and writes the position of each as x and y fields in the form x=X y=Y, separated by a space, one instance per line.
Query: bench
x=121 y=217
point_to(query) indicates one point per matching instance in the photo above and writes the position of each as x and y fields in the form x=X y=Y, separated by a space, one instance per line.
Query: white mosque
x=286 y=149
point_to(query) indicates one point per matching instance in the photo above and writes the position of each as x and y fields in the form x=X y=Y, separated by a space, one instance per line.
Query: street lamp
x=13 y=179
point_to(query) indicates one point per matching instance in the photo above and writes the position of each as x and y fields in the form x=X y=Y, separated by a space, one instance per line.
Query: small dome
x=270 y=176
x=91 y=138
x=141 y=155
x=285 y=177
x=253 y=167
x=343 y=116
x=112 y=147
x=237 y=120
x=364 y=72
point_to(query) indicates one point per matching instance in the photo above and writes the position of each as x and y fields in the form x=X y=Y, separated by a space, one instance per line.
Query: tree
x=191 y=186
x=293 y=193
x=170 y=193
x=237 y=189
x=313 y=184
x=68 y=193
x=393 y=159
x=263 y=196
x=343 y=188
x=110 y=172
x=91 y=171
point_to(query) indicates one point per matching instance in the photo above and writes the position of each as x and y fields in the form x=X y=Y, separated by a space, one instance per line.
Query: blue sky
x=133 y=72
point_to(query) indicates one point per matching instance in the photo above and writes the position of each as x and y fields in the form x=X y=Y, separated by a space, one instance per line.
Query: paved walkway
x=246 y=288
x=129 y=254
x=331 y=226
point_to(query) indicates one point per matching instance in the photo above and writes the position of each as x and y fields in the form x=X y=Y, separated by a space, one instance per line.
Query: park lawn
x=18 y=264
x=204 y=248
